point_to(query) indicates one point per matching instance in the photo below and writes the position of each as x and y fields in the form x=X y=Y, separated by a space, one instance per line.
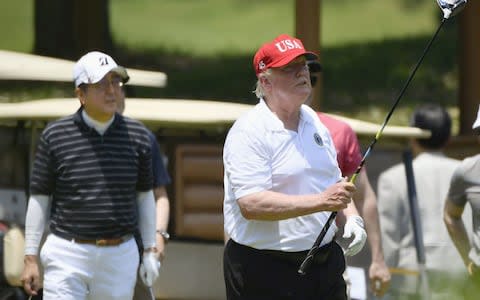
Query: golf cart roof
x=176 y=113
x=22 y=66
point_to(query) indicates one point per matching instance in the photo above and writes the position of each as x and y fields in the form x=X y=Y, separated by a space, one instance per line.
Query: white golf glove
x=149 y=268
x=354 y=225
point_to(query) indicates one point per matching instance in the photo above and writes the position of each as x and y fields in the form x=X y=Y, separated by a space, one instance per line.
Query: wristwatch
x=164 y=234
x=151 y=249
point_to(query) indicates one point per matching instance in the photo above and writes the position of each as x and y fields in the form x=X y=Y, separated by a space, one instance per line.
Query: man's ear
x=265 y=82
x=80 y=93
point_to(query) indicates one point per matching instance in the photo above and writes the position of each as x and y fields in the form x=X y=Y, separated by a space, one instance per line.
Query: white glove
x=149 y=268
x=354 y=225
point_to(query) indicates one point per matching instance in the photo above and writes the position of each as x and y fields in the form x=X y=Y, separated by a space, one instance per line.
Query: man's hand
x=149 y=268
x=161 y=245
x=379 y=278
x=31 y=275
x=338 y=195
x=354 y=225
x=472 y=269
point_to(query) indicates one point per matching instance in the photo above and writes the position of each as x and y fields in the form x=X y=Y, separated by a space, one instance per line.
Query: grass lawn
x=210 y=27
x=206 y=48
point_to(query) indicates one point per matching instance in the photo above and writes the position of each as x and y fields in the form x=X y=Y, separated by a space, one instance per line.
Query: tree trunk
x=53 y=28
x=307 y=28
x=69 y=28
x=469 y=66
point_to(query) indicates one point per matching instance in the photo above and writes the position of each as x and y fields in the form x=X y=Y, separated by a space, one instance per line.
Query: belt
x=98 y=242
x=103 y=242
x=321 y=256
x=295 y=258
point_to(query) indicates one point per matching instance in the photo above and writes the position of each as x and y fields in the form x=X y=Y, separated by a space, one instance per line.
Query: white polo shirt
x=260 y=154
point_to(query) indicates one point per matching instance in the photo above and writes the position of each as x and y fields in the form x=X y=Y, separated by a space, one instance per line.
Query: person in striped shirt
x=92 y=172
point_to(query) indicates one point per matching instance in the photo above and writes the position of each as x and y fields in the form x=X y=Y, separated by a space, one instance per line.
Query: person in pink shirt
x=346 y=142
x=349 y=157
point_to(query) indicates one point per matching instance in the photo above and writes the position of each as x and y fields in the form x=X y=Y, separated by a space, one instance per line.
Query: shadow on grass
x=373 y=74
x=356 y=77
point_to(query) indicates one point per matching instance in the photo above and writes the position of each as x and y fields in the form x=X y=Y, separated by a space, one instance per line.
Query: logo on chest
x=318 y=139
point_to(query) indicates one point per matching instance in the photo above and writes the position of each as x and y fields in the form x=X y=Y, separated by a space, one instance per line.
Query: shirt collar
x=275 y=124
x=79 y=120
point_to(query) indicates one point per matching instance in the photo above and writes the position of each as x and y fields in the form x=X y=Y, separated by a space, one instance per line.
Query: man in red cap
x=282 y=181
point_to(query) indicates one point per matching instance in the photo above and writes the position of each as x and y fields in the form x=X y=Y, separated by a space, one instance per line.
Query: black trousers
x=264 y=274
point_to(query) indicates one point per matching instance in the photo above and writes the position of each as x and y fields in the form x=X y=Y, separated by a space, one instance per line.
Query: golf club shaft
x=311 y=253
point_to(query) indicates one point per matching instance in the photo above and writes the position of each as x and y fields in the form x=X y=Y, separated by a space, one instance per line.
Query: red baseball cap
x=279 y=52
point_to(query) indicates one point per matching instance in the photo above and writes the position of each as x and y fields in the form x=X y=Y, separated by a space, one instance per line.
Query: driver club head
x=451 y=7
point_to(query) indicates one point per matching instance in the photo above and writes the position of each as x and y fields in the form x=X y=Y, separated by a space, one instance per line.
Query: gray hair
x=259 y=92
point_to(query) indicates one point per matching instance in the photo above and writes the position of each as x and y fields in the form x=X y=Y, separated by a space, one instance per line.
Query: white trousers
x=82 y=271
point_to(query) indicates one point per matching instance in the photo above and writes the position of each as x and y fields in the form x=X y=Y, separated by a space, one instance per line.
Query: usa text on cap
x=279 y=52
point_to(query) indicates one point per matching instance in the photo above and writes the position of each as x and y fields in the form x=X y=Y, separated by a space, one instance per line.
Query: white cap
x=476 y=124
x=93 y=66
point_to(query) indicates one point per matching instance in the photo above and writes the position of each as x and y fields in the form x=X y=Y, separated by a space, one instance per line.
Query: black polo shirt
x=93 y=179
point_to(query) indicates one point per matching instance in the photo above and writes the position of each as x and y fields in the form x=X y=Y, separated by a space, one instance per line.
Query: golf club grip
x=311 y=253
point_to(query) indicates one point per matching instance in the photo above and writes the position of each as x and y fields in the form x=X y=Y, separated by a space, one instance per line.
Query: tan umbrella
x=21 y=66
x=177 y=113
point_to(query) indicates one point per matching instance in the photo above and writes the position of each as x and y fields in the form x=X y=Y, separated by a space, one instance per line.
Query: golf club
x=449 y=9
